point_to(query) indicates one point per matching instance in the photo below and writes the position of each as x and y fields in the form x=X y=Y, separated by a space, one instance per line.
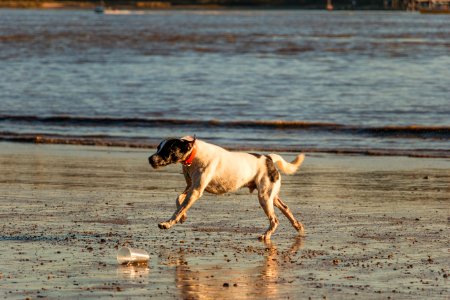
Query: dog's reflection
x=220 y=281
x=274 y=263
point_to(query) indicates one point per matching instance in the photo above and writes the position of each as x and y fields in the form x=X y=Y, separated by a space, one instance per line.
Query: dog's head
x=171 y=151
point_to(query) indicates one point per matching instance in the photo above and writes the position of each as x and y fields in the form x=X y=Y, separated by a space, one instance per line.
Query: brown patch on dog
x=273 y=173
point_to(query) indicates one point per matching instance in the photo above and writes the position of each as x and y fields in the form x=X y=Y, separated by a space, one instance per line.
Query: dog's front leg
x=180 y=198
x=191 y=196
x=198 y=185
x=179 y=203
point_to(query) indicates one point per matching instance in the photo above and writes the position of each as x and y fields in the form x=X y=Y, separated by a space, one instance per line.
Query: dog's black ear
x=188 y=142
x=189 y=139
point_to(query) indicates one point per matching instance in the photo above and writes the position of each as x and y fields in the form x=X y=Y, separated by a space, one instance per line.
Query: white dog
x=210 y=168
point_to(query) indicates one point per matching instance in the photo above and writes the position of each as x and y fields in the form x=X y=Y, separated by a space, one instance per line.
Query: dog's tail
x=284 y=166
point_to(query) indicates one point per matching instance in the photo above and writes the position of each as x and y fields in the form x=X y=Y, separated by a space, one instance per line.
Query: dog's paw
x=264 y=238
x=300 y=228
x=183 y=218
x=164 y=225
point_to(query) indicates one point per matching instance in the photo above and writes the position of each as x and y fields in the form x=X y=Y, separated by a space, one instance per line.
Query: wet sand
x=377 y=228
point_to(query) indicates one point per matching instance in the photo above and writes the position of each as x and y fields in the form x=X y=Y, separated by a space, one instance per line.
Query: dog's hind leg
x=266 y=201
x=287 y=212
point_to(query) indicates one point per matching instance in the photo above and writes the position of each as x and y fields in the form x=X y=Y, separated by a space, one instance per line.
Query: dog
x=210 y=168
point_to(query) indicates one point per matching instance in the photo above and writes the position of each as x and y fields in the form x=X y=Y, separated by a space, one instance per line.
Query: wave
x=146 y=143
x=160 y=41
x=391 y=131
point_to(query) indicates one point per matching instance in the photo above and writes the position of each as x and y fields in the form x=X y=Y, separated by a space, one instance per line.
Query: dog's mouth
x=156 y=163
x=157 y=166
x=152 y=162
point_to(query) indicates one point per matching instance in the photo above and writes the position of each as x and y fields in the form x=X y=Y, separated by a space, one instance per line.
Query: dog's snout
x=153 y=161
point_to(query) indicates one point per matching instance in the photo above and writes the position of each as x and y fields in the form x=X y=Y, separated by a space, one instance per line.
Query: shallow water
x=161 y=70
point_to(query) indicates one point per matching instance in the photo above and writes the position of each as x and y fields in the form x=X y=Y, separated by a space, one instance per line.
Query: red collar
x=190 y=158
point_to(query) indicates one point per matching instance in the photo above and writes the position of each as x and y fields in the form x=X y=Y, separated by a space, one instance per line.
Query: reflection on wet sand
x=132 y=271
x=270 y=270
x=219 y=280
x=59 y=229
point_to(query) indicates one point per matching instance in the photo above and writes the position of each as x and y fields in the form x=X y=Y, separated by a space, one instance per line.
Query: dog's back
x=239 y=161
x=233 y=170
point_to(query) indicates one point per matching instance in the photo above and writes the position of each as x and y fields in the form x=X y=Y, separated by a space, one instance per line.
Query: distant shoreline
x=159 y=5
x=143 y=144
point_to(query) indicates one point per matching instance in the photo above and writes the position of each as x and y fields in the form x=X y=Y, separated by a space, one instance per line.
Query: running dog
x=207 y=167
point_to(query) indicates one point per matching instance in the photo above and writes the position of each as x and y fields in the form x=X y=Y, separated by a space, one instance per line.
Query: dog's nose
x=152 y=162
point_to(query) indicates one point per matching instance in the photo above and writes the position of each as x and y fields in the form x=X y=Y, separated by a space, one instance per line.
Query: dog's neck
x=188 y=161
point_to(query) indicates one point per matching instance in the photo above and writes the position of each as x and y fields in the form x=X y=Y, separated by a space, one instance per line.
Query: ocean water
x=286 y=80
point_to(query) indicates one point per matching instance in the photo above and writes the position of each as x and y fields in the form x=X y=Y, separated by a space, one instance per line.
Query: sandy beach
x=377 y=228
